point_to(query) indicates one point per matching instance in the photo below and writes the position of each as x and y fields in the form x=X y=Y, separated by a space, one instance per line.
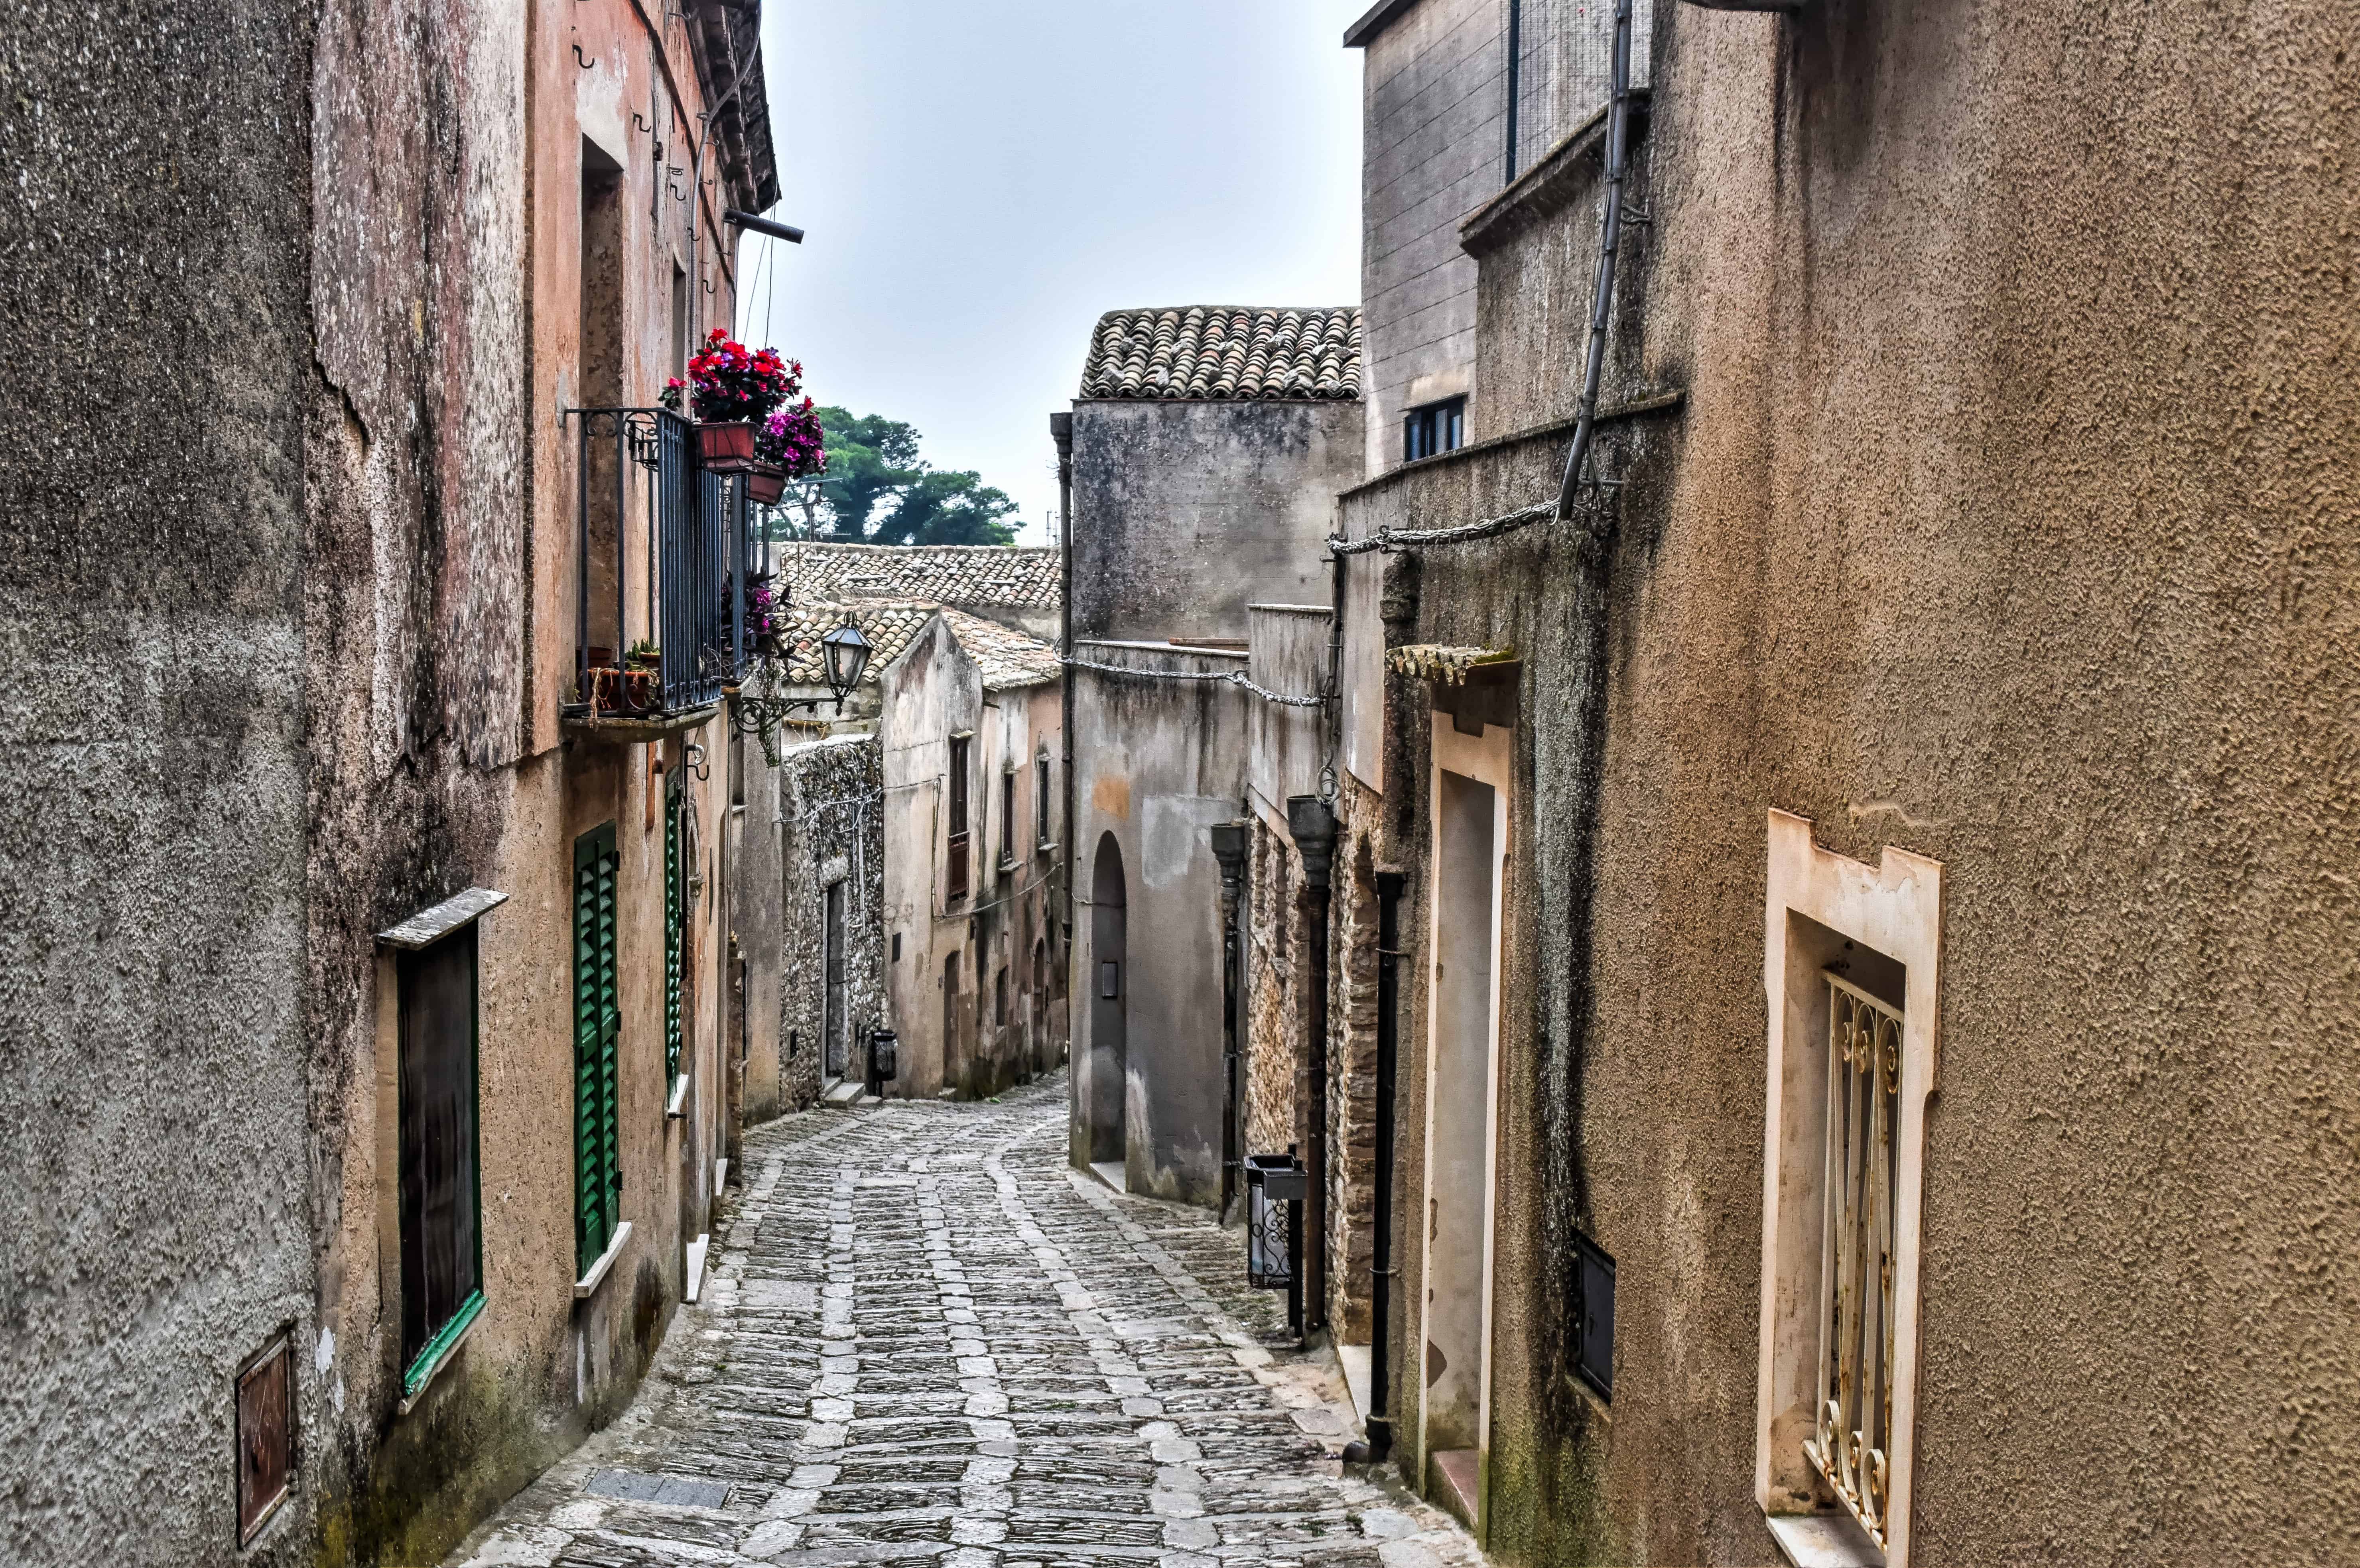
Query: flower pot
x=642 y=691
x=765 y=484
x=726 y=448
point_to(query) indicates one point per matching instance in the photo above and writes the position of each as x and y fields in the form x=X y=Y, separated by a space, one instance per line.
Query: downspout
x=1312 y=825
x=1610 y=236
x=1380 y=1421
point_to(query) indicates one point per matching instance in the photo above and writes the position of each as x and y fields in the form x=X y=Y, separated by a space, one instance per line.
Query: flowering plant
x=766 y=613
x=791 y=439
x=730 y=383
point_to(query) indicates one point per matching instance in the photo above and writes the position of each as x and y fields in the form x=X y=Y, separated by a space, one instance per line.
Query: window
x=1008 y=850
x=958 y=840
x=598 y=1031
x=675 y=923
x=266 y=1391
x=1851 y=971
x=1434 y=428
x=1042 y=836
x=441 y=1253
x=1593 y=1316
x=999 y=998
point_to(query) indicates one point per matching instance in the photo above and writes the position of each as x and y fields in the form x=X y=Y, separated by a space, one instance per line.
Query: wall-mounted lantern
x=1275 y=1187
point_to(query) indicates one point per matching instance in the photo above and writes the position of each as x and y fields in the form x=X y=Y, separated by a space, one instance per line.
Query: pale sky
x=981 y=179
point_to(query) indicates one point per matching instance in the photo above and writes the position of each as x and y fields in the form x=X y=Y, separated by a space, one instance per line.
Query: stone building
x=1207 y=446
x=1019 y=586
x=1917 y=756
x=366 y=1026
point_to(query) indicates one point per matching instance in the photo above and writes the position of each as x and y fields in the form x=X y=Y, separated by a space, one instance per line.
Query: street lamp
x=845 y=653
x=844 y=659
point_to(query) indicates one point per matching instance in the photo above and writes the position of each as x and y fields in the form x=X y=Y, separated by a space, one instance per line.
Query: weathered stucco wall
x=1187 y=511
x=152 y=1112
x=1161 y=762
x=2001 y=523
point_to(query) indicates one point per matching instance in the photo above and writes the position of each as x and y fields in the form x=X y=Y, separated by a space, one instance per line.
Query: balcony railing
x=642 y=493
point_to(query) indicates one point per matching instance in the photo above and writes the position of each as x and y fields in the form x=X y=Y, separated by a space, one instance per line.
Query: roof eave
x=1375 y=20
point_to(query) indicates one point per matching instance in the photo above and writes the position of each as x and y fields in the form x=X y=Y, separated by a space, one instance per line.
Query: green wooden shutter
x=597 y=1030
x=674 y=936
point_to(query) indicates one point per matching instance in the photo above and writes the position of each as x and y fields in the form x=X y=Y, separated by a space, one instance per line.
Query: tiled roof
x=1225 y=351
x=1006 y=657
x=941 y=573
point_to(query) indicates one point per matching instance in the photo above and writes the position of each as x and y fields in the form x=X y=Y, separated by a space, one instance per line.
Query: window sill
x=438 y=1354
x=676 y=1107
x=1823 y=1541
x=1047 y=846
x=587 y=1286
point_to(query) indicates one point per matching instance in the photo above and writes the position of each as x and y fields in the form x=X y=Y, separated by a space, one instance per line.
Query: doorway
x=1470 y=832
x=832 y=1025
x=951 y=1052
x=1109 y=981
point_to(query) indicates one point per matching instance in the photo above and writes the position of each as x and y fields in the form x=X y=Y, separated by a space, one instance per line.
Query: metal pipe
x=1312 y=825
x=1229 y=841
x=1610 y=236
x=1380 y=1421
x=1516 y=79
x=786 y=232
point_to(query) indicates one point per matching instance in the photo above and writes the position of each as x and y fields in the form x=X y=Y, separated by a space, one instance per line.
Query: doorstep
x=1354 y=1360
x=845 y=1094
x=1452 y=1479
x=1823 y=1541
x=1113 y=1174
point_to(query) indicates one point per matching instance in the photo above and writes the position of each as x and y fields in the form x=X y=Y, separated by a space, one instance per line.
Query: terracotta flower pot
x=726 y=448
x=765 y=484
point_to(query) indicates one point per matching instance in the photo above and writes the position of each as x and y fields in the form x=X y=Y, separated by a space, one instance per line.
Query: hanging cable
x=1609 y=237
x=1233 y=677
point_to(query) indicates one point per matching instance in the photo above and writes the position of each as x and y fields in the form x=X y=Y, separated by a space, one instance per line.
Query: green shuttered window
x=675 y=933
x=597 y=1029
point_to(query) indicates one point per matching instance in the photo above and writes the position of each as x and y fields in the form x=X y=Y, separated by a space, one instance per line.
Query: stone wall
x=830 y=825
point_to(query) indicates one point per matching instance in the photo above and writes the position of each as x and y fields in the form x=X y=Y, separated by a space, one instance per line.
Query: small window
x=1110 y=979
x=1041 y=834
x=441 y=1253
x=1434 y=428
x=1593 y=1316
x=1006 y=818
x=897 y=947
x=957 y=879
x=1000 y=998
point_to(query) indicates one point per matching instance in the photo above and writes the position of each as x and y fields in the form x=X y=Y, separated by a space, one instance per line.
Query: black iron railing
x=639 y=475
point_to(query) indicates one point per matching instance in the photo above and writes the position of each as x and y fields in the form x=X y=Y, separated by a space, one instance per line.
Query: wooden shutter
x=676 y=944
x=958 y=837
x=441 y=1258
x=597 y=1033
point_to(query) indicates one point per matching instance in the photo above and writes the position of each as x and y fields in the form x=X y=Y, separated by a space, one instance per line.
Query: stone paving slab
x=925 y=1341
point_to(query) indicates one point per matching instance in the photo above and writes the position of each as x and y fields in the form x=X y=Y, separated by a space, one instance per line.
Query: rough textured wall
x=1159 y=763
x=154 y=1184
x=1434 y=145
x=1185 y=512
x=830 y=824
x=2002 y=523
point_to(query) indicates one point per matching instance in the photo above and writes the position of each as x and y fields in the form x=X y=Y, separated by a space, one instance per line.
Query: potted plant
x=790 y=445
x=730 y=390
x=766 y=617
x=643 y=678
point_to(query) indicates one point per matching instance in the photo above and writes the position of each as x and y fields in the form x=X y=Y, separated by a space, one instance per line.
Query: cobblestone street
x=925 y=1339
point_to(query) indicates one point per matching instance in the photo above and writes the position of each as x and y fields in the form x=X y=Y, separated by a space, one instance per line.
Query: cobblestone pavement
x=926 y=1340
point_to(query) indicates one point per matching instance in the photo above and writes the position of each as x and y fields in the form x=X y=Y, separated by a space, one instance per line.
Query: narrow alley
x=926 y=1338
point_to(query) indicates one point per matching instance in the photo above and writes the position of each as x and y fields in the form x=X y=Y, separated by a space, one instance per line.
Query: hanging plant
x=730 y=390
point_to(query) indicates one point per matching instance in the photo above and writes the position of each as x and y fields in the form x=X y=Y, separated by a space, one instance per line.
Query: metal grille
x=1275 y=1187
x=597 y=1029
x=1564 y=68
x=1854 y=1426
x=691 y=583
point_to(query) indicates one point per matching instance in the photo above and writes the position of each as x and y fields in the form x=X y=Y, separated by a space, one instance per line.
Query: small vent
x=265 y=1448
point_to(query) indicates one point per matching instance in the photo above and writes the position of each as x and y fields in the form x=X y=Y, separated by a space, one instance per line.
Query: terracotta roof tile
x=1007 y=658
x=1225 y=351
x=942 y=575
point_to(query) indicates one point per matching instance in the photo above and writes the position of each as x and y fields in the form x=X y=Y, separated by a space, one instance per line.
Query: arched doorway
x=1109 y=983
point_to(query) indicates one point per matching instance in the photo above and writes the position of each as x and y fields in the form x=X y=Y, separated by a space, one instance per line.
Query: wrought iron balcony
x=660 y=611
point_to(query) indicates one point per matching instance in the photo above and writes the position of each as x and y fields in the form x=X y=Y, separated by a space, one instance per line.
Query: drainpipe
x=1229 y=850
x=1061 y=430
x=1313 y=827
x=1381 y=1266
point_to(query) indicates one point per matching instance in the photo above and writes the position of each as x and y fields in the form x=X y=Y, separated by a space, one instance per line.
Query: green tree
x=877 y=490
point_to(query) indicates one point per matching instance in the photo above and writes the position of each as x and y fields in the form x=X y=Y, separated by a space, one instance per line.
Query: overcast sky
x=981 y=180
